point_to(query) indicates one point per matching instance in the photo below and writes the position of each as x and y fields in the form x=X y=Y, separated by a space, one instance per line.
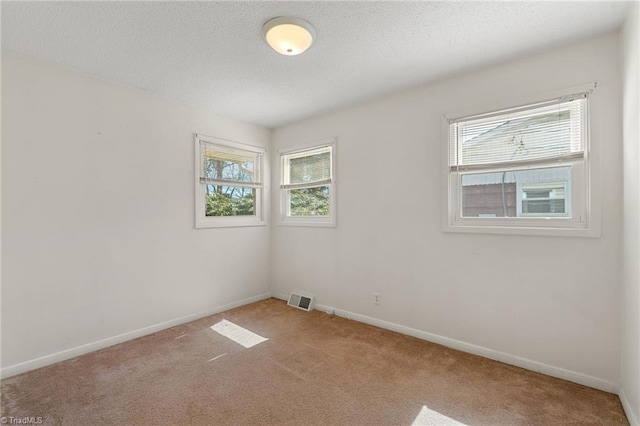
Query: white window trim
x=587 y=212
x=309 y=221
x=203 y=221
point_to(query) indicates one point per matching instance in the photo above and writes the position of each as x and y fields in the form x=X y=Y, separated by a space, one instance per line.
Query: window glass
x=521 y=168
x=307 y=186
x=228 y=183
x=497 y=194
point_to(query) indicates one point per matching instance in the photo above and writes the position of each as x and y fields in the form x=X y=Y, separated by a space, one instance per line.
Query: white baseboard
x=528 y=364
x=628 y=409
x=33 y=364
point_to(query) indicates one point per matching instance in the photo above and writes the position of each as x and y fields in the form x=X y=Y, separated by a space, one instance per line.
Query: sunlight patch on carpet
x=429 y=417
x=238 y=334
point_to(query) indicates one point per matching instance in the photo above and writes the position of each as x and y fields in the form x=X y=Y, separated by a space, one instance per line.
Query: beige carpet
x=313 y=369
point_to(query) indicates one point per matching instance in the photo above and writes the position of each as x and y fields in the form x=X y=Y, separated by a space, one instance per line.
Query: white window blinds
x=228 y=166
x=539 y=133
x=307 y=169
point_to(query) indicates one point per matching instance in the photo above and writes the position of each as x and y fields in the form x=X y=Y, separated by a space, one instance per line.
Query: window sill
x=229 y=222
x=317 y=223
x=589 y=232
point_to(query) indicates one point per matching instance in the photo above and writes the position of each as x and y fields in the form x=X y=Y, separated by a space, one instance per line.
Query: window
x=228 y=183
x=546 y=199
x=521 y=170
x=307 y=186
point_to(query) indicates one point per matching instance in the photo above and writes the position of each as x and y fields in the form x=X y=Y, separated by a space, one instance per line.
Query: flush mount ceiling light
x=288 y=36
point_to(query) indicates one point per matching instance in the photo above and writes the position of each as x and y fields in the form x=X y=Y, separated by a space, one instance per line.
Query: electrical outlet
x=376 y=298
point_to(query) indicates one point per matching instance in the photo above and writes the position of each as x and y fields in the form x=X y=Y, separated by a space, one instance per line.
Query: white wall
x=630 y=393
x=98 y=237
x=552 y=300
x=98 y=216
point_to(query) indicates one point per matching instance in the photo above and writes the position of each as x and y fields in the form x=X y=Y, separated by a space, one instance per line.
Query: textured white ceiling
x=212 y=55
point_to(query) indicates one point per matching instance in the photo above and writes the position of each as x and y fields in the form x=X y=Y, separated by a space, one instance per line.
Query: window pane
x=521 y=193
x=311 y=168
x=544 y=132
x=543 y=206
x=536 y=193
x=229 y=201
x=227 y=165
x=309 y=201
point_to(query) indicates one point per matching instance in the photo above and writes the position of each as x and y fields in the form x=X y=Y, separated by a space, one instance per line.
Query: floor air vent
x=300 y=301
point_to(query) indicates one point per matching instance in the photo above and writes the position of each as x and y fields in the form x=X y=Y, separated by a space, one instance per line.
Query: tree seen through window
x=223 y=200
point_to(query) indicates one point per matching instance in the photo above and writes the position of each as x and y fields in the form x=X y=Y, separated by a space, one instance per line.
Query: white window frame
x=585 y=195
x=313 y=221
x=225 y=146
